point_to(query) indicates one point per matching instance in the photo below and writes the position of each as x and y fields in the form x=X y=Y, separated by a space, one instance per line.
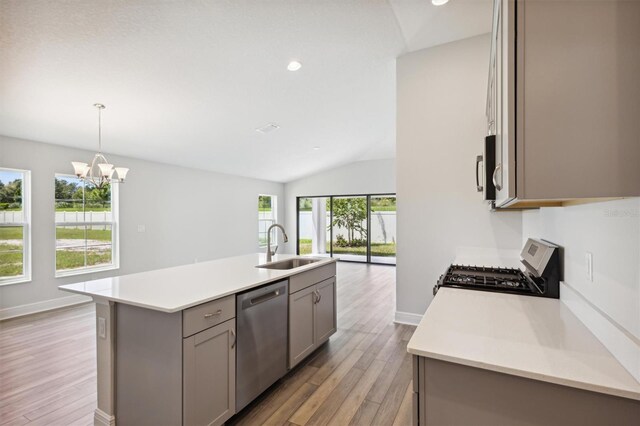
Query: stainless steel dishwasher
x=261 y=353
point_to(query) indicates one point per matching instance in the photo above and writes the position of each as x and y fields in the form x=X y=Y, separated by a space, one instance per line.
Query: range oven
x=541 y=275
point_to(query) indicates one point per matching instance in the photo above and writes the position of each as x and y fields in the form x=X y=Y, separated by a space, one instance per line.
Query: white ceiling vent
x=268 y=128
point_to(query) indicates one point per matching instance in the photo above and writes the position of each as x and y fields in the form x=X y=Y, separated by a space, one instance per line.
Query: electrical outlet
x=141 y=228
x=589 y=262
x=102 y=327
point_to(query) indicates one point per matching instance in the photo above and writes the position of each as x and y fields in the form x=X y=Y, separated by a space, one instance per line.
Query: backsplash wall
x=610 y=231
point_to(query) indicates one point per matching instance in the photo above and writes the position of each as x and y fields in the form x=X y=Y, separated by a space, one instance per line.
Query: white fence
x=383 y=227
x=75 y=217
x=11 y=217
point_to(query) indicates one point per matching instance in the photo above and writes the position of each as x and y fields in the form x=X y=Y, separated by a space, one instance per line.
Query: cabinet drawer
x=309 y=278
x=207 y=315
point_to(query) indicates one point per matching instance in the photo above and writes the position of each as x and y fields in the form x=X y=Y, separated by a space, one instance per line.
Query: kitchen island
x=494 y=358
x=166 y=339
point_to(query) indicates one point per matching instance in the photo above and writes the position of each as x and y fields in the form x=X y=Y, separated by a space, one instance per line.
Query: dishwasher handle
x=264 y=297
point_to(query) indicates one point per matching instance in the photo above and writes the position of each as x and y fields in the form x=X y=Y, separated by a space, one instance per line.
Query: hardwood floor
x=48 y=368
x=362 y=376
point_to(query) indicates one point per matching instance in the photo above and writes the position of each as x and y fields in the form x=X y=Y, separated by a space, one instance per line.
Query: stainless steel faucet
x=284 y=233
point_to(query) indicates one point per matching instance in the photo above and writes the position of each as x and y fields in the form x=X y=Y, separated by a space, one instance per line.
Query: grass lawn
x=10 y=260
x=383 y=209
x=67 y=259
x=11 y=233
x=377 y=249
x=79 y=234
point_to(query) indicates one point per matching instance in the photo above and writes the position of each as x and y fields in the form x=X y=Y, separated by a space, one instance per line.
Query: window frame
x=115 y=235
x=274 y=209
x=26 y=230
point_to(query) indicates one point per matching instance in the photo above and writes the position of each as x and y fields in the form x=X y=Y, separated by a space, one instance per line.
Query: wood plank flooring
x=362 y=376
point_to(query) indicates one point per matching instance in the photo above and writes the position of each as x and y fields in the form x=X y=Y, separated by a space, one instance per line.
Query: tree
x=11 y=193
x=349 y=213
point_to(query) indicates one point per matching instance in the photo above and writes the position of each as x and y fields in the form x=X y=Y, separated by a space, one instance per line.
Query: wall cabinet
x=209 y=378
x=312 y=319
x=563 y=101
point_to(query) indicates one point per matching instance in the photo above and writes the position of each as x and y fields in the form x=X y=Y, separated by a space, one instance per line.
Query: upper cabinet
x=563 y=102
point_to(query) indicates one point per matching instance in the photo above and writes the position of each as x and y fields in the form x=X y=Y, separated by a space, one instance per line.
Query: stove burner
x=489 y=279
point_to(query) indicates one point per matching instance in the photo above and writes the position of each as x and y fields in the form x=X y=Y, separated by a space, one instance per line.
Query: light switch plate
x=589 y=262
x=141 y=228
x=102 y=328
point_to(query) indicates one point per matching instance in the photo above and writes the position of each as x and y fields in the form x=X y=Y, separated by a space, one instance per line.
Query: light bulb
x=439 y=2
x=294 y=66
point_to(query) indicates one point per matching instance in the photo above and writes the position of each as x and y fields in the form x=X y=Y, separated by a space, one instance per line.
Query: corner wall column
x=105 y=414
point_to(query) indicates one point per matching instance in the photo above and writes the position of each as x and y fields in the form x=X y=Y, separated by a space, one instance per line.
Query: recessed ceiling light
x=439 y=2
x=267 y=128
x=316 y=148
x=294 y=66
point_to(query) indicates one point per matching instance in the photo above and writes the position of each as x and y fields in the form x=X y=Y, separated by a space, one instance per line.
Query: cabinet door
x=301 y=324
x=325 y=318
x=209 y=375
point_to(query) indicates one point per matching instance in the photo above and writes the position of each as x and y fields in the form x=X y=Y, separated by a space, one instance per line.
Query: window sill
x=74 y=272
x=16 y=280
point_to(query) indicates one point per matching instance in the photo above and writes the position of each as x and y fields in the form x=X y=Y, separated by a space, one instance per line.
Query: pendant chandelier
x=100 y=172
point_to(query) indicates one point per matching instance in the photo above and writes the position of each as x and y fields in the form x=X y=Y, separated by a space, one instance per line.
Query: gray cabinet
x=325 y=310
x=563 y=101
x=209 y=375
x=312 y=318
x=446 y=393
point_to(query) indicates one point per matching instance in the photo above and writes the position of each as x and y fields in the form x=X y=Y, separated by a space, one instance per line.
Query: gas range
x=541 y=275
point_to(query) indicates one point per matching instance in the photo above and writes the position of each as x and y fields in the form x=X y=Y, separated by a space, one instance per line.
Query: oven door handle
x=479 y=160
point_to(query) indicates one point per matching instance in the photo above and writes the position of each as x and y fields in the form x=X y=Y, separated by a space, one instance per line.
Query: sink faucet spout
x=285 y=239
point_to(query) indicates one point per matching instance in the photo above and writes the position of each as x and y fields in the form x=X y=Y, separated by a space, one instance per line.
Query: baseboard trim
x=100 y=418
x=45 y=305
x=407 y=318
x=622 y=344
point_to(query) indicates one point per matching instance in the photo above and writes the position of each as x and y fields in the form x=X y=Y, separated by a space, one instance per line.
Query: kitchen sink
x=289 y=263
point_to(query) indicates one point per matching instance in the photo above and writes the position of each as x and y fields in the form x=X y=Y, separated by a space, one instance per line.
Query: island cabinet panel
x=309 y=278
x=301 y=325
x=148 y=367
x=325 y=321
x=312 y=318
x=450 y=393
x=208 y=314
x=210 y=375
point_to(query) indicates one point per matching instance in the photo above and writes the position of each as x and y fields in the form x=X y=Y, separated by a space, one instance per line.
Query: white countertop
x=525 y=336
x=174 y=289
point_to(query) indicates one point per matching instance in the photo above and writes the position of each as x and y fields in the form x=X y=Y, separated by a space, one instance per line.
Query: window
x=86 y=226
x=267 y=216
x=357 y=228
x=15 y=221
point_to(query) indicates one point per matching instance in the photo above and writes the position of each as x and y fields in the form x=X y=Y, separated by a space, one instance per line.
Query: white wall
x=441 y=93
x=362 y=177
x=221 y=211
x=610 y=304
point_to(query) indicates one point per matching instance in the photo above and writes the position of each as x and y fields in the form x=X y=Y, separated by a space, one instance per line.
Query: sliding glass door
x=382 y=219
x=314 y=226
x=354 y=228
x=349 y=228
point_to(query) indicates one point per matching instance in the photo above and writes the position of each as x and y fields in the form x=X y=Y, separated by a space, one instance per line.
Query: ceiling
x=188 y=83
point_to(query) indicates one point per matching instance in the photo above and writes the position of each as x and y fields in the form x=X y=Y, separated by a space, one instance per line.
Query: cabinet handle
x=209 y=315
x=235 y=338
x=479 y=187
x=315 y=296
x=494 y=178
x=319 y=297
